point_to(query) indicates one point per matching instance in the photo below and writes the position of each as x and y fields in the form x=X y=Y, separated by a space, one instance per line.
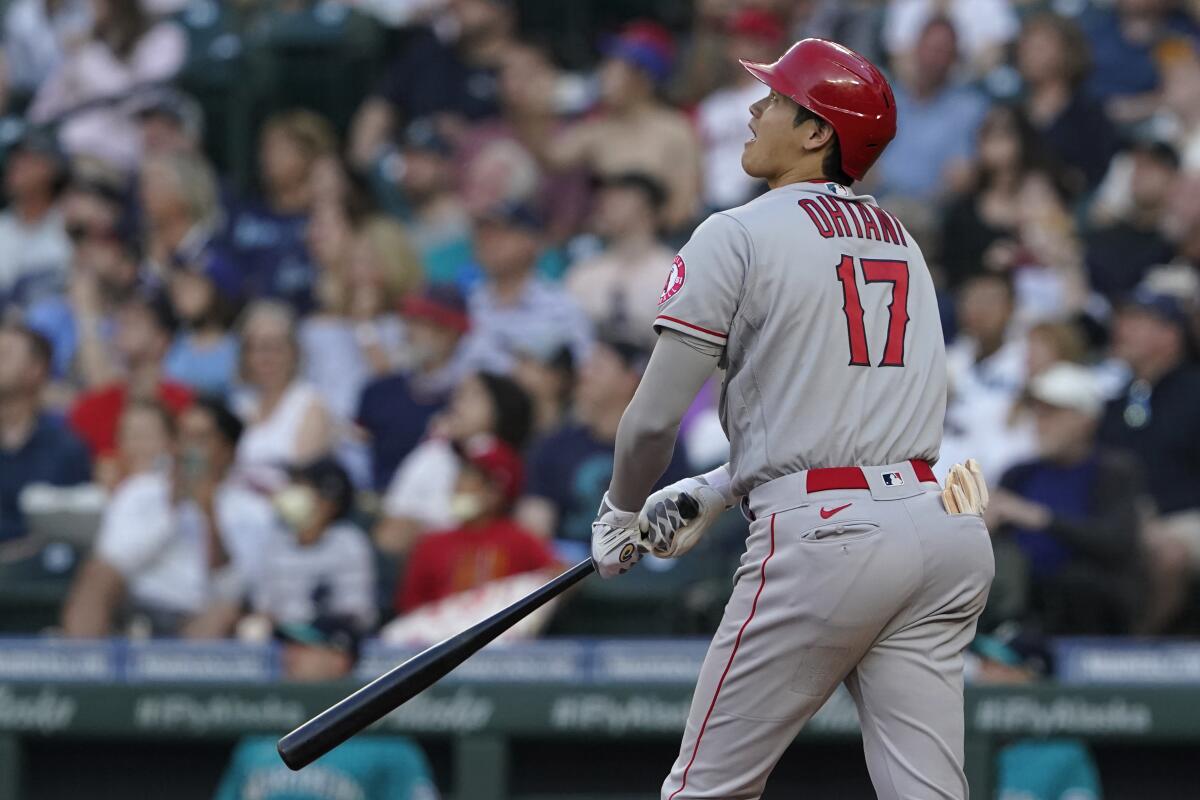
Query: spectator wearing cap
x=513 y=309
x=1122 y=250
x=1155 y=419
x=34 y=249
x=1128 y=39
x=171 y=121
x=178 y=544
x=266 y=235
x=569 y=469
x=483 y=407
x=496 y=153
x=394 y=410
x=754 y=35
x=34 y=448
x=1054 y=61
x=287 y=421
x=356 y=335
x=937 y=119
x=127 y=48
x=432 y=78
x=619 y=287
x=487 y=544
x=634 y=130
x=1074 y=513
x=319 y=564
x=144 y=330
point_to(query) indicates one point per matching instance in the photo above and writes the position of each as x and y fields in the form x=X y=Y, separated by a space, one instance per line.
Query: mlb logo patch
x=893 y=479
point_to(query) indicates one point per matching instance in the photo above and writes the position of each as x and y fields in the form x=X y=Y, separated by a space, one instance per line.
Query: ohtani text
x=834 y=216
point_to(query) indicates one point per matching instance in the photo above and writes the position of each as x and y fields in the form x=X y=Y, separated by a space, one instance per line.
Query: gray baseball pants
x=878 y=588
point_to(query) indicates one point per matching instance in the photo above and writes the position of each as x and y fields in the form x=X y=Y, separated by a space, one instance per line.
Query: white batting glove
x=617 y=542
x=966 y=491
x=671 y=525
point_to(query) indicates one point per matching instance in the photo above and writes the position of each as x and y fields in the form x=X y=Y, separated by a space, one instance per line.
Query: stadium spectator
x=144 y=432
x=986 y=365
x=569 y=468
x=204 y=354
x=513 y=309
x=619 y=287
x=144 y=329
x=34 y=249
x=1121 y=252
x=1053 y=341
x=37 y=37
x=635 y=131
x=287 y=423
x=356 y=335
x=529 y=99
x=103 y=275
x=1181 y=108
x=395 y=409
x=127 y=49
x=322 y=565
x=266 y=234
x=34 y=448
x=176 y=543
x=1074 y=512
x=937 y=119
x=1054 y=62
x=487 y=544
x=483 y=407
x=171 y=122
x=432 y=78
x=549 y=379
x=985 y=27
x=1127 y=38
x=365 y=768
x=1155 y=418
x=1012 y=219
x=753 y=35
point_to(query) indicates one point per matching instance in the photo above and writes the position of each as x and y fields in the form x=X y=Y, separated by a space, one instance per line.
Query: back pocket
x=844 y=531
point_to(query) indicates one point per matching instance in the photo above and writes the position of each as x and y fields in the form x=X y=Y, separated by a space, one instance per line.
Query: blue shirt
x=396 y=414
x=367 y=767
x=1122 y=67
x=208 y=370
x=930 y=134
x=572 y=469
x=269 y=251
x=1067 y=492
x=53 y=455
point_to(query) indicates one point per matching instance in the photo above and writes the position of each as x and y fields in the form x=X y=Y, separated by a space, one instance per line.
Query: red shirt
x=95 y=415
x=442 y=564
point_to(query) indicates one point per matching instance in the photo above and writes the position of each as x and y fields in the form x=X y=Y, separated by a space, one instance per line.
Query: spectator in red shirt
x=143 y=336
x=488 y=545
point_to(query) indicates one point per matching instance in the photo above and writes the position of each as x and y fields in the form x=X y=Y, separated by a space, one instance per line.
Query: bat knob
x=688 y=507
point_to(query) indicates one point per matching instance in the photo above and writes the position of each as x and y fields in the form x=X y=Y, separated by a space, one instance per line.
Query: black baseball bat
x=381 y=696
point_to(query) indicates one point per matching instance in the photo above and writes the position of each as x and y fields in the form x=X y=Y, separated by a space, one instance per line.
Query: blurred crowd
x=388 y=371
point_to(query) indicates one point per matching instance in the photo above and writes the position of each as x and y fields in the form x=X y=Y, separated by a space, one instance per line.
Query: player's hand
x=675 y=517
x=966 y=491
x=617 y=542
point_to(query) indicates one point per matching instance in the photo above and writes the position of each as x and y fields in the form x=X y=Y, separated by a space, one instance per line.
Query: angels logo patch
x=674 y=280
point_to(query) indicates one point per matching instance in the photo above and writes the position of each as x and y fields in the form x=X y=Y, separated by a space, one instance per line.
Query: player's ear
x=815 y=133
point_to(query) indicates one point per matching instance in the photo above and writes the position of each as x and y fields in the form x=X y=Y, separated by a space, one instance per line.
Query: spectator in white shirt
x=34 y=248
x=175 y=542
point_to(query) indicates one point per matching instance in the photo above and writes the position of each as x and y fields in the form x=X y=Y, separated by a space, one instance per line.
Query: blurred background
x=319 y=318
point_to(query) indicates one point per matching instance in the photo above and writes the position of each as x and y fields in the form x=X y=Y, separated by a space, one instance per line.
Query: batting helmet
x=844 y=89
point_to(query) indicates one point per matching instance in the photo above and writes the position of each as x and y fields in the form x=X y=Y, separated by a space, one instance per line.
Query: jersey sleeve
x=704 y=285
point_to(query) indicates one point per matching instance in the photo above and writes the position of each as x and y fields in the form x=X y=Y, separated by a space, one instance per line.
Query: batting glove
x=675 y=517
x=966 y=491
x=617 y=542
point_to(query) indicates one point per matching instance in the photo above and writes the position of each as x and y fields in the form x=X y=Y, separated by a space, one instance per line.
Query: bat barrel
x=372 y=702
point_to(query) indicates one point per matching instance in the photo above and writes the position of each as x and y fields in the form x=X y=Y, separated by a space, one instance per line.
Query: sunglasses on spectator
x=79 y=232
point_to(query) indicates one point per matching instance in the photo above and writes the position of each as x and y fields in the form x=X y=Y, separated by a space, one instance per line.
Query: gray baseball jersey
x=826 y=308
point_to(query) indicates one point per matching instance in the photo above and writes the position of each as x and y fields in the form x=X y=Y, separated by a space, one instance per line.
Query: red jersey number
x=875 y=271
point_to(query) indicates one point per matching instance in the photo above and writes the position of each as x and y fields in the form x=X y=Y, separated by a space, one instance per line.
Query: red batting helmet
x=841 y=87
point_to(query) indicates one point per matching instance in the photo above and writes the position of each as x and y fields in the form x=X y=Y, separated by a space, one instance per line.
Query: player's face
x=775 y=146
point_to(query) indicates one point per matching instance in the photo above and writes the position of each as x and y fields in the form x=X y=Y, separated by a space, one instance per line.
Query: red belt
x=823 y=480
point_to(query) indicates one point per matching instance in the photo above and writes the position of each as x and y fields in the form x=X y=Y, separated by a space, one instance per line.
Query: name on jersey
x=834 y=216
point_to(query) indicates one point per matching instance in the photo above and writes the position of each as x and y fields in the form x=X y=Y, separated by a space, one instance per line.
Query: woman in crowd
x=287 y=423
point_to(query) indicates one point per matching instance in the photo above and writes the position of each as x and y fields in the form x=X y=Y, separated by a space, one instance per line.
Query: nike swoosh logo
x=826 y=513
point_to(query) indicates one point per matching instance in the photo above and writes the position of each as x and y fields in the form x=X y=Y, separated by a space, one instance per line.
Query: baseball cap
x=423 y=134
x=757 y=23
x=650 y=186
x=499 y=463
x=1164 y=305
x=1066 y=385
x=169 y=102
x=645 y=44
x=513 y=214
x=331 y=482
x=441 y=304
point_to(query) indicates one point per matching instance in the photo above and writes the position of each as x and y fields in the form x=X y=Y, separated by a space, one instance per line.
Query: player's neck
x=801 y=173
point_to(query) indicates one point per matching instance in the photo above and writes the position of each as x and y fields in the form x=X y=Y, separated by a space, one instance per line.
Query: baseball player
x=859 y=569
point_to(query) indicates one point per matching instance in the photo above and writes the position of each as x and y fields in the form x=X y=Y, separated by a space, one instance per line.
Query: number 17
x=875 y=271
